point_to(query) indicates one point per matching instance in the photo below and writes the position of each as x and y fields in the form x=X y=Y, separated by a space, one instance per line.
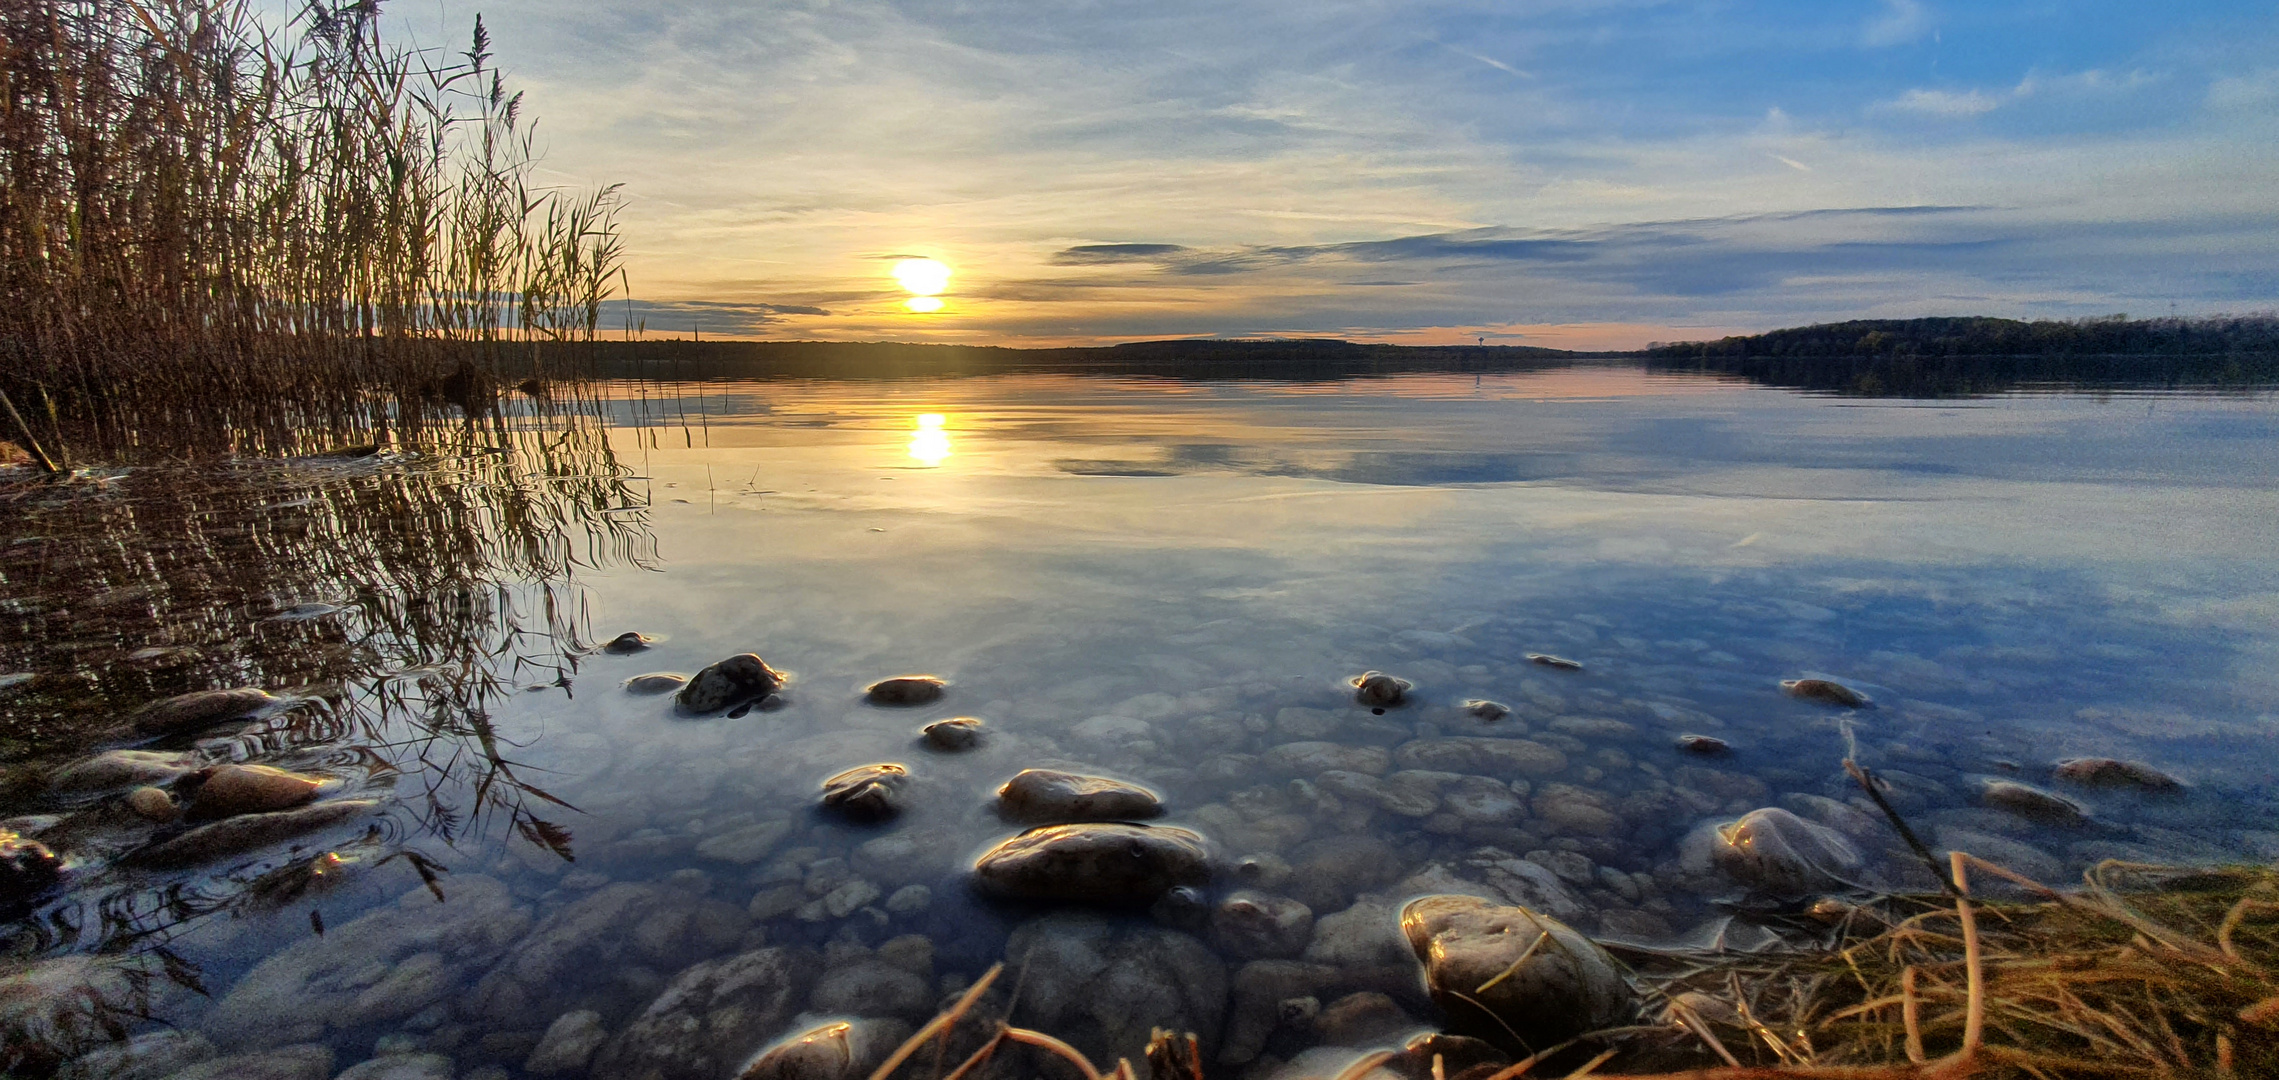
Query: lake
x=1168 y=583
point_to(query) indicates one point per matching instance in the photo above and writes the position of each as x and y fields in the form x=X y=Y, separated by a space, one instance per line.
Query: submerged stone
x=247 y=832
x=1105 y=984
x=833 y=1050
x=230 y=790
x=1775 y=853
x=655 y=682
x=1379 y=690
x=153 y=804
x=1824 y=692
x=1047 y=795
x=738 y=678
x=200 y=709
x=1096 y=862
x=118 y=769
x=1513 y=977
x=953 y=734
x=1550 y=661
x=711 y=1018
x=1486 y=711
x=1705 y=745
x=27 y=869
x=2114 y=773
x=1252 y=925
x=866 y=792
x=906 y=690
x=2032 y=803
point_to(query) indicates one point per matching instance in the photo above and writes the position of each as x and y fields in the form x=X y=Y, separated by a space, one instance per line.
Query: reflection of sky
x=1577 y=173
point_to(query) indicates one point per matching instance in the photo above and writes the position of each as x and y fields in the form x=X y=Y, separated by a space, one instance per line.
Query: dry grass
x=213 y=230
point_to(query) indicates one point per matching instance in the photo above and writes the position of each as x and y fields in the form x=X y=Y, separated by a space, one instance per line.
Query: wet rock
x=1104 y=985
x=866 y=792
x=1046 y=795
x=655 y=682
x=745 y=844
x=1264 y=870
x=303 y=1061
x=906 y=855
x=1326 y=874
x=906 y=690
x=1485 y=711
x=1576 y=810
x=709 y=1019
x=249 y=832
x=913 y=953
x=27 y=869
x=1314 y=758
x=954 y=734
x=153 y=804
x=1182 y=907
x=741 y=677
x=910 y=900
x=401 y=1067
x=833 y=1050
x=1559 y=662
x=54 y=1009
x=874 y=988
x=1458 y=1054
x=200 y=709
x=1480 y=800
x=1379 y=690
x=229 y=790
x=573 y=959
x=1705 y=745
x=1516 y=978
x=149 y=1056
x=1094 y=863
x=569 y=1043
x=1253 y=925
x=1368 y=934
x=2114 y=773
x=2032 y=803
x=1825 y=692
x=1480 y=756
x=1775 y=853
x=114 y=769
x=1573 y=867
x=379 y=968
x=630 y=641
x=1405 y=800
x=1845 y=818
x=1364 y=1018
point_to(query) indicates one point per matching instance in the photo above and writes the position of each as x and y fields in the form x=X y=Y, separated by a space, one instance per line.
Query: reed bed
x=219 y=233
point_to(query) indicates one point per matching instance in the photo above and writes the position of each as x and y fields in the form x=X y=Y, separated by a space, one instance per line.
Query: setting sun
x=922 y=277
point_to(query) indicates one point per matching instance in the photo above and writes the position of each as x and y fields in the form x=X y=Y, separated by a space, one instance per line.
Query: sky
x=1568 y=173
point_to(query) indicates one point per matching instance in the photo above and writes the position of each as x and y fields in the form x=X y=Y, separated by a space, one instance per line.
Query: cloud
x=721 y=318
x=1902 y=22
x=1097 y=254
x=1945 y=104
x=2253 y=90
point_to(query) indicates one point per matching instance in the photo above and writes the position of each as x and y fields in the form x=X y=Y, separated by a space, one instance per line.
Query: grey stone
x=867 y=792
x=906 y=690
x=1047 y=795
x=1379 y=690
x=1253 y=925
x=874 y=988
x=1480 y=756
x=1104 y=985
x=1094 y=862
x=1314 y=758
x=746 y=844
x=400 y=1067
x=2032 y=803
x=1514 y=977
x=198 y=710
x=1776 y=853
x=114 y=769
x=953 y=734
x=738 y=678
x=297 y=1062
x=655 y=682
x=568 y=1045
x=709 y=1019
x=148 y=1056
x=552 y=969
x=832 y=1050
x=2114 y=773
x=249 y=832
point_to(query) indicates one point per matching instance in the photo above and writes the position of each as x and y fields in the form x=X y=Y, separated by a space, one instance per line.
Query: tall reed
x=216 y=231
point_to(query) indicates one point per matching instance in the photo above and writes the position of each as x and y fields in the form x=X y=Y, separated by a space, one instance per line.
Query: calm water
x=1152 y=580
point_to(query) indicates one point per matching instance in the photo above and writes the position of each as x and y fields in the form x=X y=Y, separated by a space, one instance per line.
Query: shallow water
x=1158 y=581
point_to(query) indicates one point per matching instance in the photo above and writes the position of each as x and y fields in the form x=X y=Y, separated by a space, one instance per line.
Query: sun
x=922 y=277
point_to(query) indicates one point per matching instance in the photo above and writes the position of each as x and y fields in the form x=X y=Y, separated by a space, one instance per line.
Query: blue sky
x=1565 y=173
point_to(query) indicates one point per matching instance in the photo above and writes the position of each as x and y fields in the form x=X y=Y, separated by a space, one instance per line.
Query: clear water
x=1162 y=581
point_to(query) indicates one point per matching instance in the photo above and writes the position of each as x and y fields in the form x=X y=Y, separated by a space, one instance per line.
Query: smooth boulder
x=656 y=682
x=120 y=768
x=2114 y=773
x=200 y=709
x=1094 y=862
x=2032 y=803
x=741 y=677
x=27 y=869
x=1253 y=925
x=1046 y=795
x=906 y=690
x=866 y=792
x=1379 y=690
x=1485 y=711
x=1776 y=853
x=954 y=734
x=1514 y=976
x=1550 y=661
x=832 y=1050
x=247 y=832
x=631 y=641
x=1825 y=692
x=229 y=790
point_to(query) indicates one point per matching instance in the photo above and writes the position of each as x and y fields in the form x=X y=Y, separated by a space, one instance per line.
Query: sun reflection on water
x=931 y=444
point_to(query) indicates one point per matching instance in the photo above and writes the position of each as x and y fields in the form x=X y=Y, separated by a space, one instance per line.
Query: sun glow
x=922 y=277
x=931 y=444
x=923 y=305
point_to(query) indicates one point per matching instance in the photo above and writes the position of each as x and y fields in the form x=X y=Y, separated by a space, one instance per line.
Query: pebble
x=1521 y=980
x=1379 y=690
x=866 y=792
x=655 y=682
x=954 y=734
x=630 y=641
x=1775 y=853
x=906 y=690
x=1575 y=809
x=1253 y=925
x=120 y=768
x=1824 y=692
x=741 y=677
x=153 y=804
x=200 y=709
x=1314 y=758
x=1480 y=756
x=1094 y=862
x=1705 y=745
x=2032 y=803
x=1044 y=795
x=229 y=790
x=2113 y=773
x=1486 y=711
x=1559 y=662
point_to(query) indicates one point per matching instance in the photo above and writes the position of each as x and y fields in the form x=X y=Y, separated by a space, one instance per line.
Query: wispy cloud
x=1902 y=22
x=1947 y=104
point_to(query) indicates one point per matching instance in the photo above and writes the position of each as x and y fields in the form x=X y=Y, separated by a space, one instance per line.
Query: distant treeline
x=2115 y=335
x=1202 y=359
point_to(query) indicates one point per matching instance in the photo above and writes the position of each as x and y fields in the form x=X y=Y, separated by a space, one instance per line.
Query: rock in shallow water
x=1776 y=853
x=1509 y=975
x=905 y=690
x=118 y=769
x=1705 y=745
x=153 y=805
x=1486 y=711
x=247 y=832
x=201 y=709
x=27 y=869
x=1047 y=795
x=866 y=792
x=741 y=677
x=229 y=790
x=1252 y=925
x=1094 y=863
x=1550 y=661
x=2032 y=803
x=655 y=682
x=955 y=733
x=631 y=641
x=1379 y=690
x=568 y=1044
x=834 y=1050
x=1824 y=692
x=709 y=1019
x=1104 y=985
x=2113 y=773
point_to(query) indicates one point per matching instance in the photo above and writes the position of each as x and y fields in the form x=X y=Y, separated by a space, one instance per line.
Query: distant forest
x=2116 y=335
